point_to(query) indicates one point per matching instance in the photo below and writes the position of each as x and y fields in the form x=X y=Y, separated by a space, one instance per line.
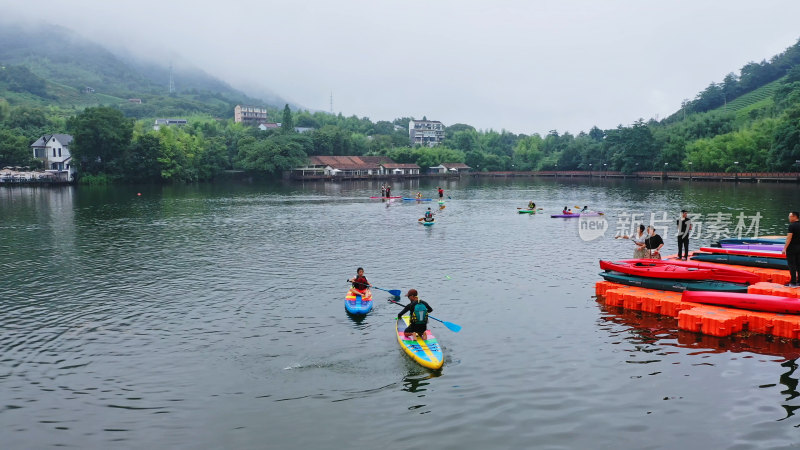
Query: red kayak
x=738 y=251
x=755 y=302
x=679 y=270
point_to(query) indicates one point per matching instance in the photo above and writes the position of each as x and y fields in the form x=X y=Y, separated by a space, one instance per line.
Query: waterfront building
x=53 y=151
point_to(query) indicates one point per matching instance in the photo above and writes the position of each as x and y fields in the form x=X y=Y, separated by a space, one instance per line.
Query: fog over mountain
x=523 y=66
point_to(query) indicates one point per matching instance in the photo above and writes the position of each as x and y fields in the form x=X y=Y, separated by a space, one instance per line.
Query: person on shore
x=441 y=193
x=653 y=243
x=792 y=249
x=638 y=239
x=684 y=228
x=360 y=283
x=419 y=315
x=531 y=206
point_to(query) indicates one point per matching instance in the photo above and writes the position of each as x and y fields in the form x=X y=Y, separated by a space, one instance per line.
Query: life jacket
x=428 y=214
x=419 y=314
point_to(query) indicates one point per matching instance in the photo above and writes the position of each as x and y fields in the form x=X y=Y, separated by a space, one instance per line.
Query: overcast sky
x=524 y=66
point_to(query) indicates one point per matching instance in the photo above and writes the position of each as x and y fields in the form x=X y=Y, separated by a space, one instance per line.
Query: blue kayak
x=355 y=303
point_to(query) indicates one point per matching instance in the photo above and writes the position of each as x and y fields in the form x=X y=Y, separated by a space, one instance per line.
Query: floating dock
x=707 y=319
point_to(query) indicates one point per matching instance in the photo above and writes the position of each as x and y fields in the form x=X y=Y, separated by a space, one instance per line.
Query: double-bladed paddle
x=450 y=325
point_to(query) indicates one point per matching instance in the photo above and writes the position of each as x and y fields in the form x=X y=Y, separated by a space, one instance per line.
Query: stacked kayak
x=357 y=303
x=426 y=352
x=678 y=270
x=744 y=252
x=741 y=260
x=573 y=215
x=747 y=241
x=673 y=285
x=759 y=247
x=755 y=302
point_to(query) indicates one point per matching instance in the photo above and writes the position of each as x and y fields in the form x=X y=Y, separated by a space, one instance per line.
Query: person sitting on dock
x=360 y=283
x=419 y=315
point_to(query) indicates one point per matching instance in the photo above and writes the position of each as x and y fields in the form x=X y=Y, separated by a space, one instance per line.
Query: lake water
x=211 y=316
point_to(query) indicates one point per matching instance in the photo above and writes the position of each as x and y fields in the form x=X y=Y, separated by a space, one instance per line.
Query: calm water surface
x=212 y=316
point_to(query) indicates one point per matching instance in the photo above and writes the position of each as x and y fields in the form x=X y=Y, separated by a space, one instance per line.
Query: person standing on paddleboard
x=441 y=193
x=388 y=191
x=684 y=228
x=653 y=243
x=792 y=249
x=419 y=315
x=360 y=283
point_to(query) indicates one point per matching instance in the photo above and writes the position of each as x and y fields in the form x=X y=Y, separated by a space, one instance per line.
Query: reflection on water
x=214 y=314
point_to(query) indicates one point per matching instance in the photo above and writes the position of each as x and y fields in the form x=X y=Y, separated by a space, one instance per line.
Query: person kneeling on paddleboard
x=428 y=216
x=419 y=315
x=360 y=283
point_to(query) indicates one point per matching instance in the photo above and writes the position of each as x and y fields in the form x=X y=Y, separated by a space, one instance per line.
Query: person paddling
x=585 y=209
x=360 y=283
x=566 y=211
x=531 y=205
x=441 y=193
x=419 y=315
x=428 y=215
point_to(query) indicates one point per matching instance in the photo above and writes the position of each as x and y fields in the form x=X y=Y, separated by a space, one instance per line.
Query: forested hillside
x=42 y=90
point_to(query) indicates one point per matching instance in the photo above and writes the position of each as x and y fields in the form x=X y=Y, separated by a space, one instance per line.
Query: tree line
x=109 y=145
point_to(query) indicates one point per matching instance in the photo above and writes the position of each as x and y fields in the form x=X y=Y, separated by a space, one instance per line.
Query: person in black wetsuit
x=792 y=249
x=419 y=315
x=653 y=244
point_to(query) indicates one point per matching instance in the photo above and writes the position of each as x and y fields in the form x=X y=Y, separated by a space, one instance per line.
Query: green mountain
x=54 y=67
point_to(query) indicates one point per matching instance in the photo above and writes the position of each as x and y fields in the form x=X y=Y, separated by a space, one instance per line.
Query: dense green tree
x=784 y=151
x=14 y=150
x=100 y=135
x=140 y=162
x=287 y=124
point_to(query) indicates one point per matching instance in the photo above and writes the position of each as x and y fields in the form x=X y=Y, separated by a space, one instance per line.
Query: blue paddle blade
x=396 y=292
x=452 y=327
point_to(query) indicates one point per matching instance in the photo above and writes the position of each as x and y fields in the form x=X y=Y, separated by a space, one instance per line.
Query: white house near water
x=450 y=168
x=53 y=151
